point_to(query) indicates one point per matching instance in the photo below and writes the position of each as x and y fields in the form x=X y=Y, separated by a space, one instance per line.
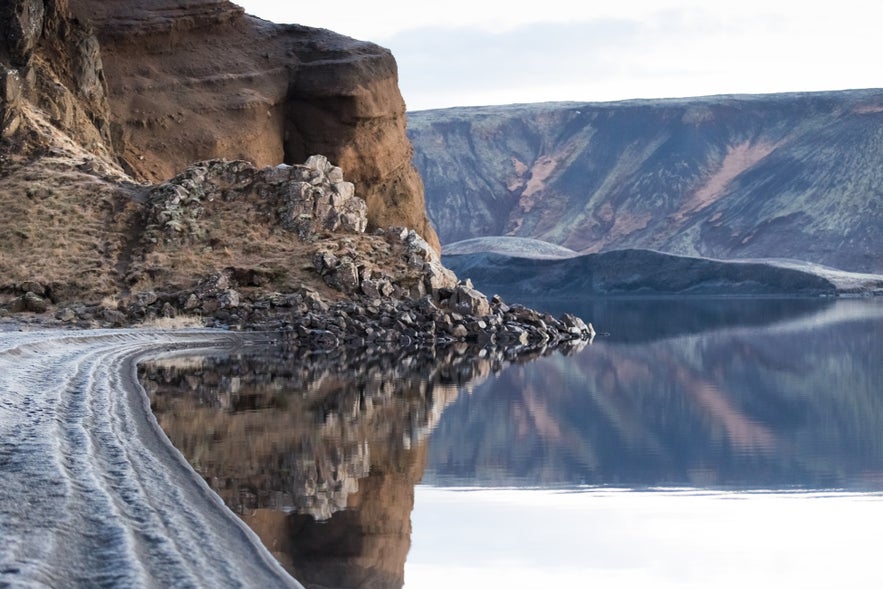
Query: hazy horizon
x=471 y=54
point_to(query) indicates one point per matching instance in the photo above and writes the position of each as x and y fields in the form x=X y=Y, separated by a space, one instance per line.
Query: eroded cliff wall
x=195 y=80
x=98 y=100
x=52 y=64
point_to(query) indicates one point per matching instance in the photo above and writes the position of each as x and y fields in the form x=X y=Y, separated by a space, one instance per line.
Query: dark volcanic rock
x=777 y=176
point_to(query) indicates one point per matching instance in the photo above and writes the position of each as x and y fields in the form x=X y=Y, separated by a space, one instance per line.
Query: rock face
x=53 y=63
x=777 y=176
x=198 y=80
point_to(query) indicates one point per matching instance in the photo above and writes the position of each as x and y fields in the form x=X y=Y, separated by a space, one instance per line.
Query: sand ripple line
x=91 y=492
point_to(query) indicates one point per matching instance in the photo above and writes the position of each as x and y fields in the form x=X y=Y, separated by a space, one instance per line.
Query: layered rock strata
x=768 y=176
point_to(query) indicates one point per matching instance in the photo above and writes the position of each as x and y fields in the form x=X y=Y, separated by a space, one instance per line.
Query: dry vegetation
x=63 y=222
x=74 y=223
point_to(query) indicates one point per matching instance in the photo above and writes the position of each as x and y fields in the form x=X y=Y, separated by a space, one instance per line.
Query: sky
x=467 y=53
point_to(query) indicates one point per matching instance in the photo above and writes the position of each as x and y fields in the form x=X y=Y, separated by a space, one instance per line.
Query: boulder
x=29 y=302
x=470 y=301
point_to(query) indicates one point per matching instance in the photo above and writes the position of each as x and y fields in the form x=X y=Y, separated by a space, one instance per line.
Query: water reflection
x=797 y=402
x=321 y=454
x=640 y=320
x=318 y=453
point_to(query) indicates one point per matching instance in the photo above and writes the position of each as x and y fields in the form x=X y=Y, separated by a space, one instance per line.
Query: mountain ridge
x=790 y=175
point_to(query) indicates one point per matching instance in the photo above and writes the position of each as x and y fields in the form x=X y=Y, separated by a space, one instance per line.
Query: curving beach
x=93 y=493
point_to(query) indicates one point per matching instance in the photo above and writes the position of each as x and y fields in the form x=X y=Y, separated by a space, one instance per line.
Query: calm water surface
x=701 y=442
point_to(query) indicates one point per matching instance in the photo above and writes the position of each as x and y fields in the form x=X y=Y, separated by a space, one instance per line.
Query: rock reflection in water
x=318 y=453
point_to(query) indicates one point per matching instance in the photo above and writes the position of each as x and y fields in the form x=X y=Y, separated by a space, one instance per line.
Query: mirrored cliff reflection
x=318 y=453
x=793 y=401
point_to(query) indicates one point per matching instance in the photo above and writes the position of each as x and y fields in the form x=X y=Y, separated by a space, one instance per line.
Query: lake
x=695 y=442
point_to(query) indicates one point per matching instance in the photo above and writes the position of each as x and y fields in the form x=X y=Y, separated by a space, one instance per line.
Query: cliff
x=770 y=176
x=198 y=80
x=102 y=101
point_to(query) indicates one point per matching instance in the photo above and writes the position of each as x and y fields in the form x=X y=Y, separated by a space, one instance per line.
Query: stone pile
x=306 y=199
x=374 y=322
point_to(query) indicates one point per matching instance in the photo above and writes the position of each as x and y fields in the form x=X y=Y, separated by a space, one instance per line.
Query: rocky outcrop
x=198 y=80
x=308 y=199
x=51 y=72
x=777 y=176
x=89 y=114
x=303 y=265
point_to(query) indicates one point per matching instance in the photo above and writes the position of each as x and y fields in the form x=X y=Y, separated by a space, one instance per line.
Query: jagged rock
x=41 y=47
x=459 y=331
x=345 y=277
x=228 y=299
x=192 y=302
x=66 y=315
x=22 y=21
x=325 y=262
x=112 y=318
x=577 y=326
x=146 y=298
x=10 y=97
x=371 y=288
x=469 y=300
x=34 y=287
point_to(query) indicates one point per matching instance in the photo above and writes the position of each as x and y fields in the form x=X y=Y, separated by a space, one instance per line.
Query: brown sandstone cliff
x=196 y=80
x=99 y=98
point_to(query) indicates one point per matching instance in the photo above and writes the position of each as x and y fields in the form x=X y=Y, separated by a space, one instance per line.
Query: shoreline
x=110 y=497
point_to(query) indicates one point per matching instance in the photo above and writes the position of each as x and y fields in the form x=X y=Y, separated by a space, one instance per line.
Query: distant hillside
x=785 y=176
x=509 y=246
x=644 y=272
